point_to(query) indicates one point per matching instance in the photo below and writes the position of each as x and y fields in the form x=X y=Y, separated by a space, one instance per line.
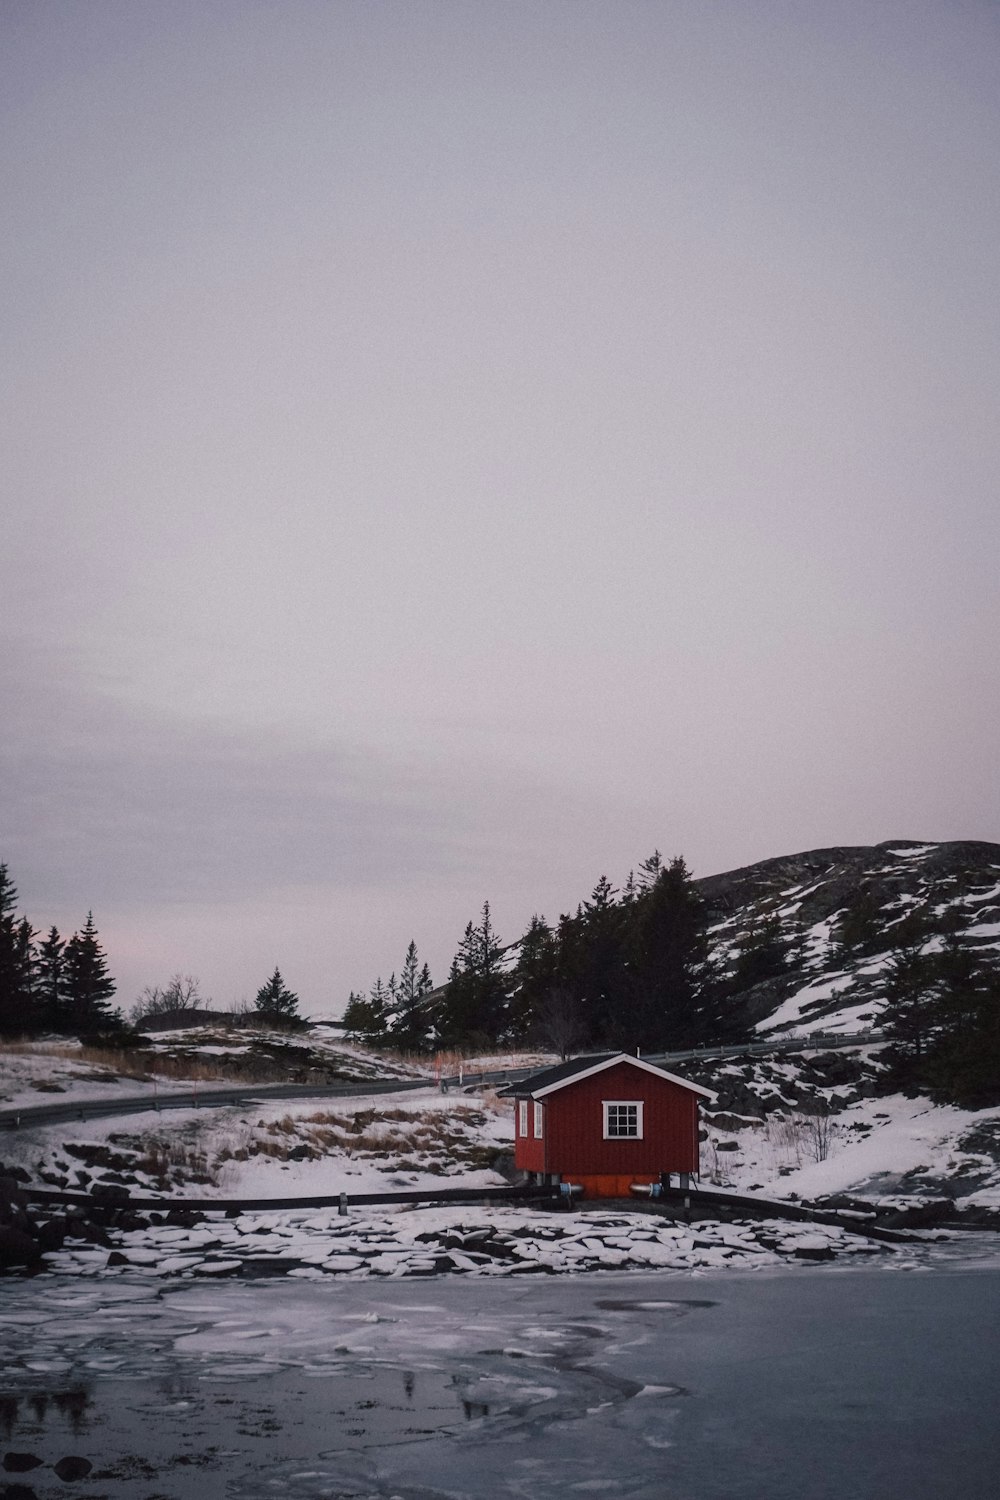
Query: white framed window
x=522 y=1117
x=622 y=1119
x=539 y=1120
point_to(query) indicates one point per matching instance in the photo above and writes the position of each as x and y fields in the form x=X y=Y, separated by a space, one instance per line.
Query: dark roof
x=550 y=1080
x=542 y=1079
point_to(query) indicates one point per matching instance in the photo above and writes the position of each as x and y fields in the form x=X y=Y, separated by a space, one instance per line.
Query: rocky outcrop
x=29 y=1230
x=835 y=916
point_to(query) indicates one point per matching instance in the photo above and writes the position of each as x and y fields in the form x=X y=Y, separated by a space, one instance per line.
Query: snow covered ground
x=179 y=1062
x=883 y=1150
x=491 y=1241
x=279 y=1149
x=768 y=1138
x=889 y=1148
x=33 y=1073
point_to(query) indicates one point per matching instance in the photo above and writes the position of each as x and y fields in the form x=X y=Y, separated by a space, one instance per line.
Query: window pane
x=622 y=1120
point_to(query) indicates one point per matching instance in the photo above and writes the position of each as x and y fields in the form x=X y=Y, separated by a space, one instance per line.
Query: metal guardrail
x=197 y=1098
x=87 y=1109
x=516 y=1193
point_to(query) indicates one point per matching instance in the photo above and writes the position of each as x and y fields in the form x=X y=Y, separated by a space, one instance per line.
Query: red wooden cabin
x=605 y=1123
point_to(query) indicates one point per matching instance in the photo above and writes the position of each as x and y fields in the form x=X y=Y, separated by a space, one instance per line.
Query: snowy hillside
x=828 y=921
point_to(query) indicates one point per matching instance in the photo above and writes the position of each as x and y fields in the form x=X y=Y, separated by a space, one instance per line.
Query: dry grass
x=124 y=1063
x=400 y=1140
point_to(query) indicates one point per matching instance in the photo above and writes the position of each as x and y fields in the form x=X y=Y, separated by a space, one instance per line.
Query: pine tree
x=763 y=953
x=861 y=923
x=601 y=968
x=89 y=986
x=475 y=1005
x=380 y=1001
x=51 y=980
x=358 y=1017
x=275 y=999
x=411 y=1022
x=963 y=1066
x=911 y=1017
x=456 y=1020
x=667 y=942
x=18 y=1011
x=534 y=977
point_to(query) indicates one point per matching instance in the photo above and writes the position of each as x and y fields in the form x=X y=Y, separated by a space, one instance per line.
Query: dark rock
x=18 y=1248
x=10 y=1192
x=116 y=1258
x=920 y=1215
x=110 y=1194
x=840 y=1201
x=723 y=1121
x=92 y=1155
x=72 y=1467
x=20 y=1463
x=131 y=1221
x=256 y=1269
x=51 y=1234
x=19 y=1492
x=182 y=1218
x=813 y=1252
x=17 y=1173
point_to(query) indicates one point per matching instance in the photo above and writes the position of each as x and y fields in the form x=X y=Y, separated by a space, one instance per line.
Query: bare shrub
x=182 y=992
x=805 y=1135
x=819 y=1130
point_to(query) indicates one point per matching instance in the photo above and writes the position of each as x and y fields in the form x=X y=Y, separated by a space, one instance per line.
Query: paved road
x=44 y=1114
x=196 y=1097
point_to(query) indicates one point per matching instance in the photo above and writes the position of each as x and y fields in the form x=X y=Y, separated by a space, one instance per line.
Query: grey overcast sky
x=453 y=448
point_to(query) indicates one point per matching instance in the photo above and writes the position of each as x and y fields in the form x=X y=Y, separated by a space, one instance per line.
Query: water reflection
x=73 y=1405
x=9 y=1408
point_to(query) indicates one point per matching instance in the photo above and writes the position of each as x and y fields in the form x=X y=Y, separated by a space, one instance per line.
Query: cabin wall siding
x=575 y=1126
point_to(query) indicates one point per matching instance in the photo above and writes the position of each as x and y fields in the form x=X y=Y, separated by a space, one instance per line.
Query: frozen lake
x=787 y=1384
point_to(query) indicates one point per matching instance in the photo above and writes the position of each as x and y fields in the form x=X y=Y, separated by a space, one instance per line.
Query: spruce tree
x=474 y=1011
x=910 y=1021
x=533 y=978
x=380 y=1002
x=456 y=1019
x=18 y=1012
x=601 y=970
x=358 y=1017
x=89 y=986
x=763 y=953
x=411 y=1022
x=668 y=949
x=51 y=980
x=861 y=923
x=275 y=999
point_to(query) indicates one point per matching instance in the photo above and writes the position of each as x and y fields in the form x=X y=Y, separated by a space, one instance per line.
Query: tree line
x=63 y=985
x=942 y=1019
x=628 y=969
x=52 y=983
